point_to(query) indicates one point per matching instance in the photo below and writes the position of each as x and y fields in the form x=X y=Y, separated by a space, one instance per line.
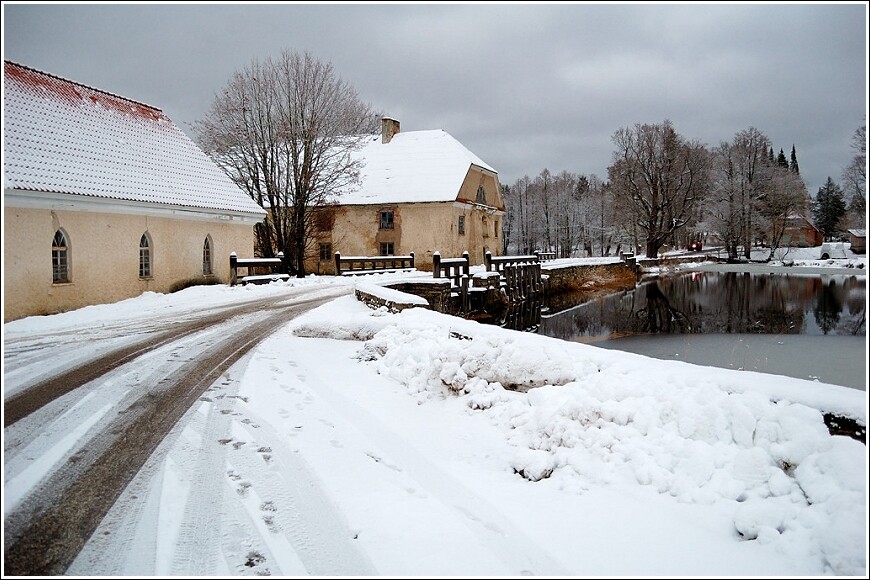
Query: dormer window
x=481 y=195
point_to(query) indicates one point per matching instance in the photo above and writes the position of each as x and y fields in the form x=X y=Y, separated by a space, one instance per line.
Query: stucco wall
x=104 y=256
x=422 y=228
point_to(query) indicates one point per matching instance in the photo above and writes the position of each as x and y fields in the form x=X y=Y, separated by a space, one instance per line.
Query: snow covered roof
x=63 y=137
x=415 y=166
x=858 y=233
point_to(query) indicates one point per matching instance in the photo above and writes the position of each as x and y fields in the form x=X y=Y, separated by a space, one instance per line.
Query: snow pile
x=584 y=417
x=390 y=295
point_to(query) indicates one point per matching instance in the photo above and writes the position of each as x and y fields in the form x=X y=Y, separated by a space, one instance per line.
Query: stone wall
x=588 y=277
x=436 y=292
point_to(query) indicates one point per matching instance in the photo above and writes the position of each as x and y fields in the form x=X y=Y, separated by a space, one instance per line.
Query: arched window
x=144 y=256
x=206 y=257
x=59 y=258
x=481 y=195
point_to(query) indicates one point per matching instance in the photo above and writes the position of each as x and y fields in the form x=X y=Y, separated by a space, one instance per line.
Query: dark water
x=720 y=303
x=810 y=327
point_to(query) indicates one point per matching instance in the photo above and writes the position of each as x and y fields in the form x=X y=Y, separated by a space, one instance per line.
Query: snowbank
x=703 y=436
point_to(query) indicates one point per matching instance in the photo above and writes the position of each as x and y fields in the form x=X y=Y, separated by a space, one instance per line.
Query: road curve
x=45 y=532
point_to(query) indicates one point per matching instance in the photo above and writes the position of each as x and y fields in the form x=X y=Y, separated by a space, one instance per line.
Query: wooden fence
x=276 y=266
x=356 y=265
x=457 y=271
x=521 y=275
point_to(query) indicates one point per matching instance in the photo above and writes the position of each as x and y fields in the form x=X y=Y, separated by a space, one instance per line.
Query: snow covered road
x=75 y=445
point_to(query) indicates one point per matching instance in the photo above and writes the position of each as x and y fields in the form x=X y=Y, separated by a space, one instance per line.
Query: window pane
x=387 y=220
x=206 y=257
x=59 y=259
x=144 y=257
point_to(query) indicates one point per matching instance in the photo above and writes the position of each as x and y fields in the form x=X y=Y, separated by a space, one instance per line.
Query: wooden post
x=233 y=262
x=282 y=269
x=412 y=259
x=465 y=267
x=436 y=265
x=464 y=293
x=487 y=260
x=338 y=263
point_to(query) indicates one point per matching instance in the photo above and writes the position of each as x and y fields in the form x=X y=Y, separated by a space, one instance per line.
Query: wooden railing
x=521 y=275
x=545 y=256
x=498 y=263
x=453 y=268
x=355 y=265
x=457 y=270
x=276 y=266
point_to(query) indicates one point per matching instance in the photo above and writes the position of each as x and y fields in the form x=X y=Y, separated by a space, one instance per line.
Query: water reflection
x=524 y=315
x=720 y=303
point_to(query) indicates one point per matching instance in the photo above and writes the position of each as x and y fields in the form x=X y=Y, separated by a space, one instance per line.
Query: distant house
x=421 y=192
x=800 y=233
x=105 y=198
x=858 y=239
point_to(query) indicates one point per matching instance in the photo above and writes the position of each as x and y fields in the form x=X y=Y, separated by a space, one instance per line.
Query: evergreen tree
x=771 y=157
x=781 y=160
x=794 y=164
x=828 y=207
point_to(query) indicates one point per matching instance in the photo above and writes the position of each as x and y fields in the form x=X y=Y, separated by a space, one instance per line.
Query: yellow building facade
x=420 y=192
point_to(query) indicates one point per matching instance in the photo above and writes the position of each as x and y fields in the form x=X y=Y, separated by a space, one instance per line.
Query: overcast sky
x=525 y=87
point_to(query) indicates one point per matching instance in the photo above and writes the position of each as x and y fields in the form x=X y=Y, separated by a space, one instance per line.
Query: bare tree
x=285 y=131
x=785 y=195
x=855 y=178
x=737 y=178
x=661 y=175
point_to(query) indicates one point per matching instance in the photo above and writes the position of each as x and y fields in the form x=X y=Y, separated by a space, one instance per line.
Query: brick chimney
x=389 y=127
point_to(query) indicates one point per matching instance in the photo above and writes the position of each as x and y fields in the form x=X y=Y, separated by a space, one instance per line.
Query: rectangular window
x=387 y=219
x=325 y=252
x=59 y=269
x=387 y=249
x=144 y=263
x=496 y=228
x=462 y=225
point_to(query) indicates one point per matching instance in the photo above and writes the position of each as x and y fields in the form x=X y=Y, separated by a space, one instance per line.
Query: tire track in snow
x=194 y=550
x=294 y=506
x=28 y=398
x=48 y=543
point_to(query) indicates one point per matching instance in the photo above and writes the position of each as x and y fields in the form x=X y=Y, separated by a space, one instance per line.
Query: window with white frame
x=206 y=257
x=59 y=258
x=144 y=256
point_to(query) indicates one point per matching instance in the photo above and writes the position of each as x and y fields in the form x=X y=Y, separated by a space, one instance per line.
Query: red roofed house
x=105 y=198
x=419 y=191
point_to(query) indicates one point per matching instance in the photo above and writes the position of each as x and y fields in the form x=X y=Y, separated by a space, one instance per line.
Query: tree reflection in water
x=720 y=303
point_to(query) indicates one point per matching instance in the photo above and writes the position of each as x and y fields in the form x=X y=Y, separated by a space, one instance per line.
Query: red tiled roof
x=64 y=137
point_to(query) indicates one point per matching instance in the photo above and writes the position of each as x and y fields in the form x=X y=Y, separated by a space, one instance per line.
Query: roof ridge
x=90 y=88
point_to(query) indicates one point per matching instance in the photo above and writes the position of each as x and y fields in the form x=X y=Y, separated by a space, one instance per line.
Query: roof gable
x=63 y=137
x=415 y=166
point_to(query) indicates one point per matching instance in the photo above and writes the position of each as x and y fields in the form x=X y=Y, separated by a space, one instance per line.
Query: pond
x=810 y=327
